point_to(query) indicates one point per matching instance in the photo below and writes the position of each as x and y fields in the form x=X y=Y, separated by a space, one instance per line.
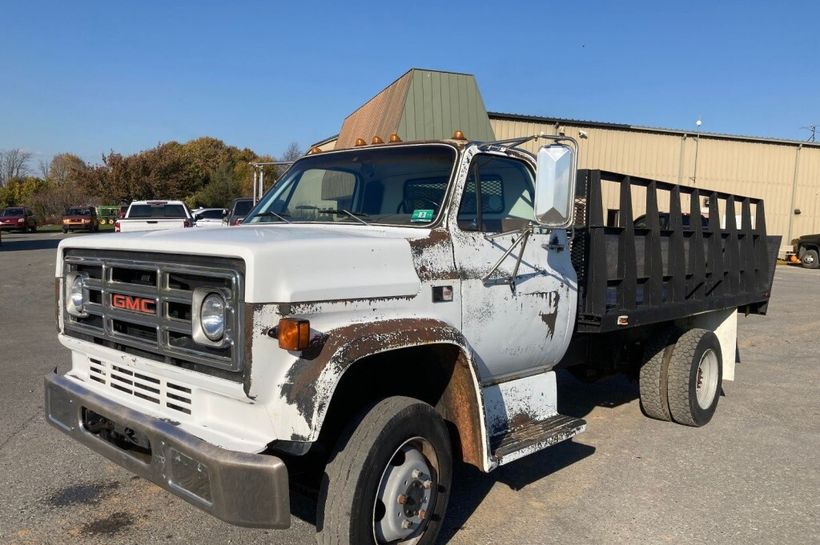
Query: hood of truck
x=289 y=263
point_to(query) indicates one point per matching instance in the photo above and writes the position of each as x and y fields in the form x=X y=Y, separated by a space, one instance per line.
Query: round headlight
x=212 y=316
x=76 y=294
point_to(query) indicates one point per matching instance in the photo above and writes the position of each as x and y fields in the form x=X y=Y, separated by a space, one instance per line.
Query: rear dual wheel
x=681 y=376
x=388 y=480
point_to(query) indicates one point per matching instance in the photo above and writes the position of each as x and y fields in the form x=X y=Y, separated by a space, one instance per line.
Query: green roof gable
x=421 y=105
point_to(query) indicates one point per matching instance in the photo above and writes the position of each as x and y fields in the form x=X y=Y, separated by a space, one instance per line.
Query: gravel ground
x=751 y=476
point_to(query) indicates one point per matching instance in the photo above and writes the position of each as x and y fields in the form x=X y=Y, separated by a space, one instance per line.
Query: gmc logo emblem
x=136 y=304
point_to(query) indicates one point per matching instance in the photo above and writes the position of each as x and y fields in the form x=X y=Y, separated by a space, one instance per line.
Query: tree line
x=202 y=172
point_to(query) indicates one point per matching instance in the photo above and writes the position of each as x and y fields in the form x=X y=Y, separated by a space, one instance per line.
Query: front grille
x=143 y=385
x=144 y=305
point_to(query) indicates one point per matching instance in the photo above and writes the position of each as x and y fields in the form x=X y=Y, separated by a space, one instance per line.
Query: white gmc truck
x=390 y=309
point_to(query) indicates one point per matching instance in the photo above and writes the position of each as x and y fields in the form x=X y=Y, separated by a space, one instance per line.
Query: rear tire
x=398 y=448
x=653 y=375
x=810 y=260
x=695 y=376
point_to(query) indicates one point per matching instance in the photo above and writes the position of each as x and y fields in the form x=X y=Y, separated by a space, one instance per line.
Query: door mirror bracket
x=523 y=236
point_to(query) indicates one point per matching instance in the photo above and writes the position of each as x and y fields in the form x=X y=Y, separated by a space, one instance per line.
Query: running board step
x=533 y=437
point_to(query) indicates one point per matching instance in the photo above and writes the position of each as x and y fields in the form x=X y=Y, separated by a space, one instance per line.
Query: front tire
x=695 y=376
x=389 y=477
x=810 y=260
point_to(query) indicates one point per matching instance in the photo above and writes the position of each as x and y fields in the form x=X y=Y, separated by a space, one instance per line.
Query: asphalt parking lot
x=751 y=476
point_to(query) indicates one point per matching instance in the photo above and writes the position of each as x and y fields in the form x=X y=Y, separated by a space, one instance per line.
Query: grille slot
x=142 y=385
x=146 y=305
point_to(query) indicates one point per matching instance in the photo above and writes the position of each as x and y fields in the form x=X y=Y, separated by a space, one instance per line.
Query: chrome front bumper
x=239 y=488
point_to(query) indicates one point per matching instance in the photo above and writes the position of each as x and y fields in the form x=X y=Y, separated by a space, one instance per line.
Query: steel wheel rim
x=707 y=379
x=415 y=478
x=808 y=259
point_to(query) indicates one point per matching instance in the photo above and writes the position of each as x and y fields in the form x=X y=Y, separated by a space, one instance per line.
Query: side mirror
x=555 y=185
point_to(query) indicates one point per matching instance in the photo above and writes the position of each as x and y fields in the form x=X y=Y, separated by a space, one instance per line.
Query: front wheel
x=809 y=259
x=388 y=479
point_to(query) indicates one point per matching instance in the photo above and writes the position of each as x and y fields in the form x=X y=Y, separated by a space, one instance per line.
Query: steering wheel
x=403 y=204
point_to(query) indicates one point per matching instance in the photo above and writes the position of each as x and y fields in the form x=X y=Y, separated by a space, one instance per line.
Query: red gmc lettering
x=137 y=304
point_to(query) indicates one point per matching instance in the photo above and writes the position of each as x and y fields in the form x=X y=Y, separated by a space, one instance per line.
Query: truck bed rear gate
x=631 y=275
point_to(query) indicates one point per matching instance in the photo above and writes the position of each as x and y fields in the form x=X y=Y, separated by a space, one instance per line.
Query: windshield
x=396 y=186
x=78 y=212
x=12 y=212
x=173 y=211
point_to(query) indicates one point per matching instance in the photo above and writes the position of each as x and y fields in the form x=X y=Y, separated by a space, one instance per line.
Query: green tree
x=222 y=188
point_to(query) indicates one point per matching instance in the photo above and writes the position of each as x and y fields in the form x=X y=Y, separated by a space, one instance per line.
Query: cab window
x=502 y=200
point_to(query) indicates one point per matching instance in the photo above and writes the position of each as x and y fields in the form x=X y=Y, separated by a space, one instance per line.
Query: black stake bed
x=666 y=264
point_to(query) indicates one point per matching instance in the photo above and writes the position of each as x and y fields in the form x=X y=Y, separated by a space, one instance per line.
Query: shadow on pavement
x=577 y=398
x=18 y=245
x=471 y=486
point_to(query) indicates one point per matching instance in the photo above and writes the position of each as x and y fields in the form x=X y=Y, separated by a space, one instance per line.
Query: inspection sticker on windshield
x=422 y=215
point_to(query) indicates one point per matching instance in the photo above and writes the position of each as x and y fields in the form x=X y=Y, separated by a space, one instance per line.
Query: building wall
x=755 y=168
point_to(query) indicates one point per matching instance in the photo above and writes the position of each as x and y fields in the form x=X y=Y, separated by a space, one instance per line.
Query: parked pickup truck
x=154 y=216
x=807 y=250
x=386 y=309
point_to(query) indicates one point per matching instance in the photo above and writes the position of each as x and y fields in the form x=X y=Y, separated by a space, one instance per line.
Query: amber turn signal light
x=293 y=334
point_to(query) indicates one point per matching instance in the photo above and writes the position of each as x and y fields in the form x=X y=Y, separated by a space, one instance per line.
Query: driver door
x=516 y=321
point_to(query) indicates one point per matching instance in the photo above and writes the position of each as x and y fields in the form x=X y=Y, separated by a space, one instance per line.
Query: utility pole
x=813 y=130
x=259 y=176
x=698 y=123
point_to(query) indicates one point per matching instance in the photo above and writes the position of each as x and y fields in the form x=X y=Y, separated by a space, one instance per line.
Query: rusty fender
x=312 y=380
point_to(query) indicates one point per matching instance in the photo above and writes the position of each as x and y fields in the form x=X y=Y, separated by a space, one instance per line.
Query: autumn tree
x=64 y=168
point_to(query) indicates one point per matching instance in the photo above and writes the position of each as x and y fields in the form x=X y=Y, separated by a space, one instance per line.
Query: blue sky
x=88 y=77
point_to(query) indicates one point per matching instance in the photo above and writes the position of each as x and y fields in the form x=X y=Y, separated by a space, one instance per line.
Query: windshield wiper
x=355 y=215
x=274 y=214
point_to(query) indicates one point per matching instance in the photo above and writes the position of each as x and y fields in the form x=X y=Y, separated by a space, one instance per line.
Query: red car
x=18 y=218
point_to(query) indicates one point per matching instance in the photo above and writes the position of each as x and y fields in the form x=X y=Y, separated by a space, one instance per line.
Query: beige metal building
x=785 y=173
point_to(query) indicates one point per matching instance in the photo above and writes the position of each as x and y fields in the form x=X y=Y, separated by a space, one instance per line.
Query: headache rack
x=666 y=263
